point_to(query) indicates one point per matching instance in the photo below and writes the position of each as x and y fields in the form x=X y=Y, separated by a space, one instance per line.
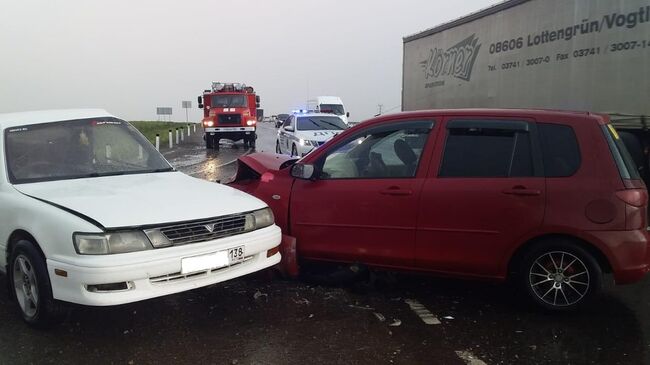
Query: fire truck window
x=229 y=101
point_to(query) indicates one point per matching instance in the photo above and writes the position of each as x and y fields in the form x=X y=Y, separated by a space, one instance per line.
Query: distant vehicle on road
x=329 y=104
x=301 y=133
x=229 y=112
x=86 y=217
x=550 y=199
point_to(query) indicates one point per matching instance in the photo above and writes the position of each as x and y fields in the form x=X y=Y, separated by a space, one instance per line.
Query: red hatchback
x=552 y=199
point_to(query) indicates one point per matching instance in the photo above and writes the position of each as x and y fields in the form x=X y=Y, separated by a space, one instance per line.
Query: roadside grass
x=151 y=128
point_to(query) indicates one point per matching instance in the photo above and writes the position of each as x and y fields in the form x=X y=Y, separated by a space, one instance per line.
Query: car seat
x=406 y=155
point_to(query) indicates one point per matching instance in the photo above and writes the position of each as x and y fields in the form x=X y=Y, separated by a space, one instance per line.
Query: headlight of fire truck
x=251 y=122
x=208 y=123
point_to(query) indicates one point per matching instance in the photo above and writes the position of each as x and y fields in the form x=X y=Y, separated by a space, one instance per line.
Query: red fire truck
x=229 y=112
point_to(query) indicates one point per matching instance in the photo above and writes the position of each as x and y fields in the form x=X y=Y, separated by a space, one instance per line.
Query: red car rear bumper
x=628 y=253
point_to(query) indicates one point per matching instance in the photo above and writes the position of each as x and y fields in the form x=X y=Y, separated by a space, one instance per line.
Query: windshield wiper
x=165 y=169
x=100 y=174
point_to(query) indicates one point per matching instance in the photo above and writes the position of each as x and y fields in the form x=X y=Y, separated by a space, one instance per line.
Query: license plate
x=213 y=260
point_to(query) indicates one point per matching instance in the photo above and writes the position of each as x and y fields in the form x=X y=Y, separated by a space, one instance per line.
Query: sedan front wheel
x=31 y=287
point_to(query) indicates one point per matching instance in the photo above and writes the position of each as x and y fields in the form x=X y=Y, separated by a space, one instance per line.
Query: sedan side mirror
x=303 y=171
x=288 y=128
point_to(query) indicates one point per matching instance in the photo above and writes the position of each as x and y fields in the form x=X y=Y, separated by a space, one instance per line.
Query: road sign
x=163 y=111
x=187 y=104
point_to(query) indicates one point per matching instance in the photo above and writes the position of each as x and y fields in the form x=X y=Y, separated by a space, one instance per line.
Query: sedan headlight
x=110 y=243
x=259 y=219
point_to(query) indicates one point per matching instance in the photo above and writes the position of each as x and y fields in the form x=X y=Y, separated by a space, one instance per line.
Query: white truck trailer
x=589 y=55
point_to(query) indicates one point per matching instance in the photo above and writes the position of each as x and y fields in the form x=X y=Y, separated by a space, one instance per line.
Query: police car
x=303 y=132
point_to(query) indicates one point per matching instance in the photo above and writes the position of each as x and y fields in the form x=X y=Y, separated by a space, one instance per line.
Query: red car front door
x=484 y=193
x=363 y=205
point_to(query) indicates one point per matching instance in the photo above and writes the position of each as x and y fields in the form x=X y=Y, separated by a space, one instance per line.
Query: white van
x=329 y=104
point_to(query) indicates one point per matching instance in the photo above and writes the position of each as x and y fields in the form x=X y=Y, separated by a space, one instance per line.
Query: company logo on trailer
x=457 y=61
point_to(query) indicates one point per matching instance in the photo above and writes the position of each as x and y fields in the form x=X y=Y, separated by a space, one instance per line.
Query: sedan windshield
x=79 y=149
x=229 y=101
x=320 y=123
x=332 y=108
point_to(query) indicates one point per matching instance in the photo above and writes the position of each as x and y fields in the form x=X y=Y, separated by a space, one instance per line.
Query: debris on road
x=258 y=294
x=469 y=358
x=396 y=323
x=380 y=317
x=360 y=307
x=301 y=301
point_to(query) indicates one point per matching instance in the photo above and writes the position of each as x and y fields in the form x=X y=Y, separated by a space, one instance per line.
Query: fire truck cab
x=229 y=112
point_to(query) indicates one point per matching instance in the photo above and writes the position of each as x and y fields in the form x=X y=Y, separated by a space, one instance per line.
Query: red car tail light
x=634 y=197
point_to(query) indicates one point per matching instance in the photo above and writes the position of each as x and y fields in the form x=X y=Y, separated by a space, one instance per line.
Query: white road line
x=422 y=312
x=469 y=358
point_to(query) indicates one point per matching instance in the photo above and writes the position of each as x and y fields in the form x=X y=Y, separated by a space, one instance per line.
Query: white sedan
x=92 y=214
x=301 y=133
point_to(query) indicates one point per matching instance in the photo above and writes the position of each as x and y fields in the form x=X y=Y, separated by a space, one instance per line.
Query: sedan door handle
x=522 y=191
x=395 y=191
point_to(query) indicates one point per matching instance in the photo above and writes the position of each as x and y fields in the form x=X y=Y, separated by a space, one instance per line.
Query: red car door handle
x=522 y=191
x=395 y=191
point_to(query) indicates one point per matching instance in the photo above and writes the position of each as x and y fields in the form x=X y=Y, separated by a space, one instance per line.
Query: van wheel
x=30 y=284
x=294 y=151
x=559 y=275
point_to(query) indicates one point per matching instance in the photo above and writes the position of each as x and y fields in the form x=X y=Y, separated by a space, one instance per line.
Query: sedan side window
x=287 y=122
x=382 y=152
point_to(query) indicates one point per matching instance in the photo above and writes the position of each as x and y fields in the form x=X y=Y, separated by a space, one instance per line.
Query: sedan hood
x=143 y=199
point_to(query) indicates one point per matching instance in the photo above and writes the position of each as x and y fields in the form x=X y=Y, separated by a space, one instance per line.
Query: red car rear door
x=363 y=205
x=484 y=192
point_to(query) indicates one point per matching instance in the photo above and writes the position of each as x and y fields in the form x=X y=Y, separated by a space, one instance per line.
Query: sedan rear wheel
x=560 y=276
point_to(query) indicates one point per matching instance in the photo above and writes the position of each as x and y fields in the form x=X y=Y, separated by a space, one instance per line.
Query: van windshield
x=332 y=108
x=79 y=149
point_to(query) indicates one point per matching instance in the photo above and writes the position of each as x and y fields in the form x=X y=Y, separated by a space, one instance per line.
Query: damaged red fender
x=289 y=264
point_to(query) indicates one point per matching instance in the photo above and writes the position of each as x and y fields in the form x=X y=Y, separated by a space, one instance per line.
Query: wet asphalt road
x=262 y=320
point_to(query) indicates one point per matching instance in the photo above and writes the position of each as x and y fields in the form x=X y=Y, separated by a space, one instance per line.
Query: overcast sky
x=130 y=56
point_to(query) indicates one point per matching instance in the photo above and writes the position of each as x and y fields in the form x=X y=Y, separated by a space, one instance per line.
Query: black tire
x=215 y=142
x=294 y=151
x=278 y=150
x=43 y=311
x=251 y=142
x=209 y=141
x=559 y=275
